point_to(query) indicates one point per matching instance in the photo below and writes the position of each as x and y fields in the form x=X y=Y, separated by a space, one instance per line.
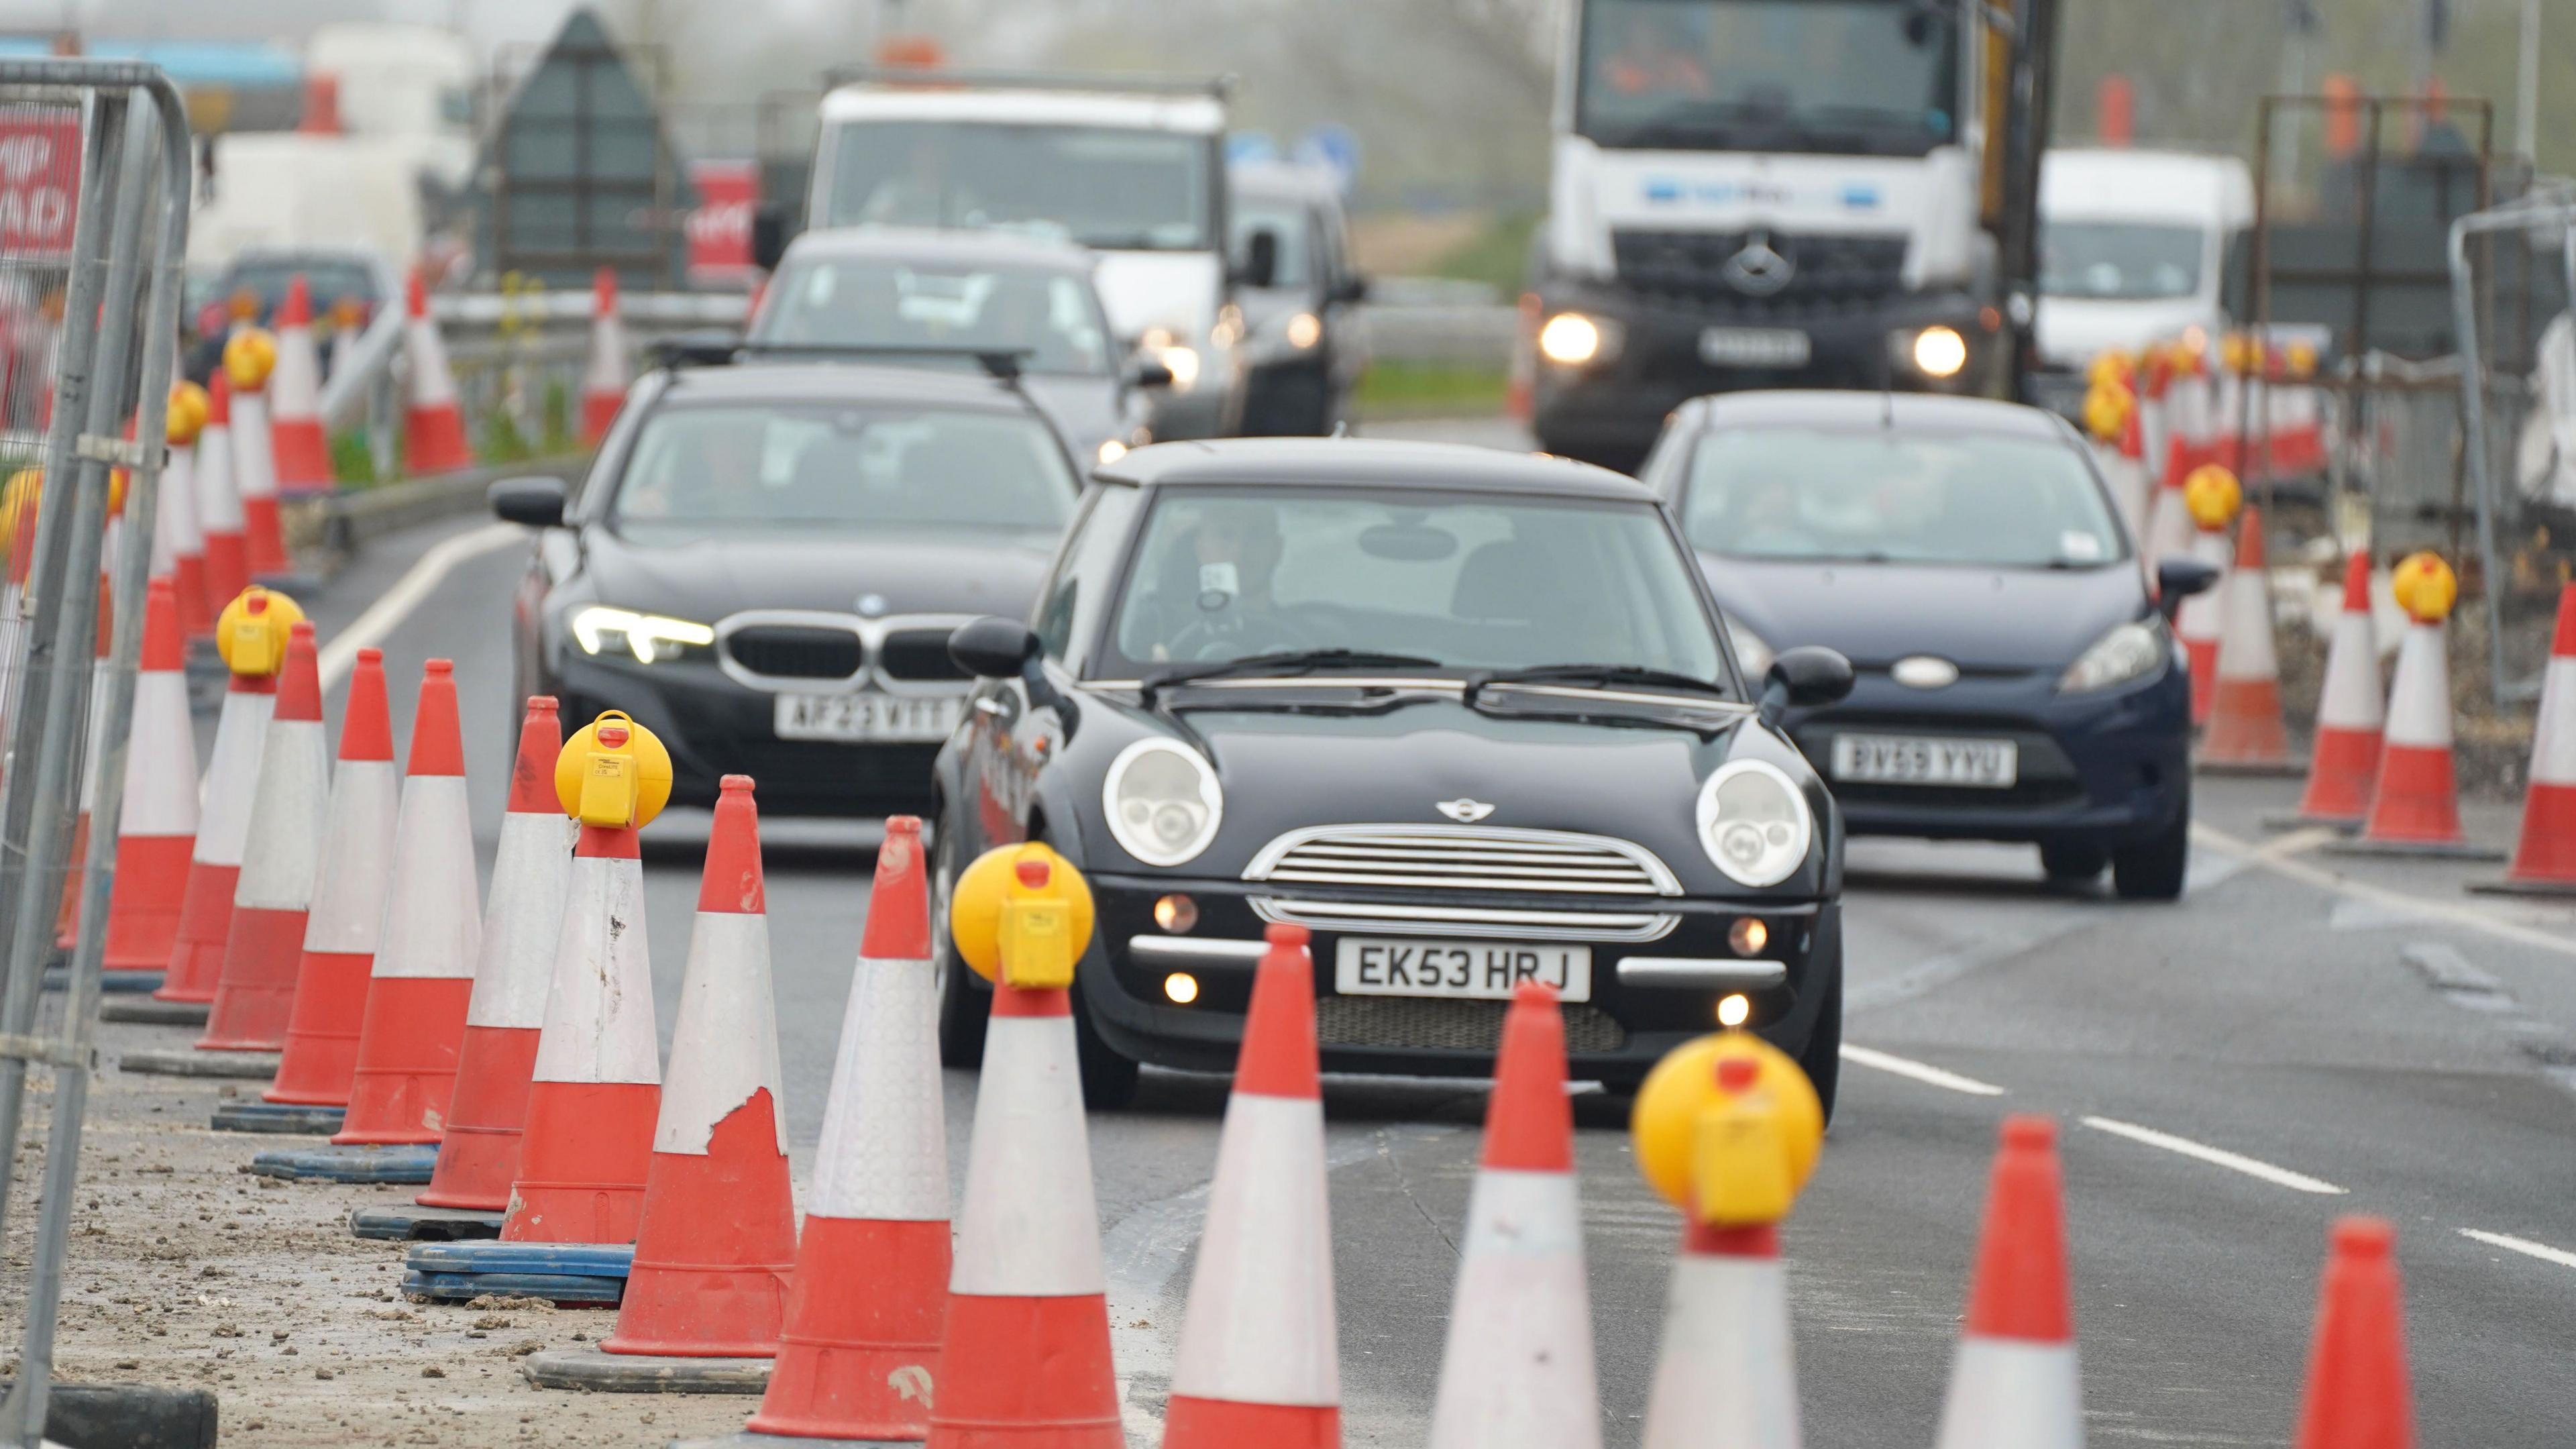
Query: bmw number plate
x=1754 y=347
x=869 y=718
x=1473 y=970
x=1926 y=760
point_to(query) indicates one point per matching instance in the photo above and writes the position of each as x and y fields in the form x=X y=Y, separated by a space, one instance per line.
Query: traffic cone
x=1025 y=1358
x=219 y=501
x=424 y=967
x=2133 y=484
x=2357 y=1396
x=67 y=900
x=2014 y=1380
x=595 y=1089
x=2197 y=622
x=178 y=546
x=2169 y=527
x=718 y=1236
x=1258 y=1362
x=274 y=893
x=341 y=935
x=2545 y=861
x=157 y=825
x=603 y=387
x=2246 y=735
x=249 y=359
x=2351 y=712
x=864 y=1308
x=302 y=453
x=1517 y=1372
x=480 y=1153
x=2415 y=800
x=223 y=829
x=433 y=426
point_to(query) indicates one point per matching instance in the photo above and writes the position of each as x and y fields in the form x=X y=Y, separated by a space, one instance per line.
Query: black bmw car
x=1468 y=716
x=765 y=563
x=2018 y=678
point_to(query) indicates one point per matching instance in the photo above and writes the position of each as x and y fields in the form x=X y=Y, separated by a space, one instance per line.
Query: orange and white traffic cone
x=303 y=454
x=718 y=1236
x=2351 y=712
x=870 y=1290
x=2246 y=735
x=2213 y=497
x=603 y=386
x=2015 y=1380
x=2358 y=1395
x=1517 y=1371
x=2415 y=801
x=595 y=1092
x=232 y=778
x=157 y=825
x=1258 y=1361
x=424 y=965
x=178 y=545
x=341 y=934
x=219 y=504
x=273 y=896
x=2545 y=861
x=1025 y=1359
x=433 y=423
x=530 y=870
x=249 y=360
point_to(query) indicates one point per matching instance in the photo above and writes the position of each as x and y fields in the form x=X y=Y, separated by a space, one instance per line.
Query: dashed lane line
x=1922 y=1072
x=2524 y=1246
x=387 y=613
x=2279 y=857
x=2215 y=1156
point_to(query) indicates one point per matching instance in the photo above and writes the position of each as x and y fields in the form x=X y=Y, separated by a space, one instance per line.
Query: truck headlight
x=1753 y=823
x=650 y=638
x=1571 y=339
x=1163 y=801
x=1940 y=352
x=1304 y=330
x=2127 y=652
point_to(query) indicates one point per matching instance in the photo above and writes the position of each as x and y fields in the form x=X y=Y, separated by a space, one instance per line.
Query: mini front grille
x=1463 y=857
x=795 y=651
x=1412 y=1021
x=918 y=655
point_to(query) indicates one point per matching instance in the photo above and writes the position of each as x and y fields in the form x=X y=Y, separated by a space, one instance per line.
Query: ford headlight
x=650 y=638
x=1753 y=823
x=2129 y=651
x=1163 y=801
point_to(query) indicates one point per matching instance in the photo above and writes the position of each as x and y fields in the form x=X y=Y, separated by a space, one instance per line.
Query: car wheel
x=2073 y=864
x=963 y=1010
x=2152 y=870
x=1108 y=1079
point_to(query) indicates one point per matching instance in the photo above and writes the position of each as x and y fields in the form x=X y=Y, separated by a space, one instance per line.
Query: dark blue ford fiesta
x=2018 y=674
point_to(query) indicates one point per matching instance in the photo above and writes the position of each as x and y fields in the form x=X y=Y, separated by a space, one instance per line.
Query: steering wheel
x=1202 y=640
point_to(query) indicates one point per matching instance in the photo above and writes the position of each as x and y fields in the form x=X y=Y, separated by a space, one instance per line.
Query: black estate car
x=1470 y=717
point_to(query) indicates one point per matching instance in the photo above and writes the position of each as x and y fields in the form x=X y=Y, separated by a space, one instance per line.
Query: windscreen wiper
x=1593 y=674
x=1285 y=661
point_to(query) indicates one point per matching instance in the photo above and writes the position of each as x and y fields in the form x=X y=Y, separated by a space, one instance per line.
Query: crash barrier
x=120 y=162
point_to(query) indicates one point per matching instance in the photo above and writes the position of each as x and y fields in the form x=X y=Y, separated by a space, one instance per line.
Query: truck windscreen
x=1115 y=189
x=1867 y=77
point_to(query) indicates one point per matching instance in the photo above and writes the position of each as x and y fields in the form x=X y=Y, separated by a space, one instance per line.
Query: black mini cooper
x=1468 y=716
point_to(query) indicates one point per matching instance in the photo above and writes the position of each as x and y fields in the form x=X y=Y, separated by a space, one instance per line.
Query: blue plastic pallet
x=401 y=1164
x=562 y=1272
x=290 y=1118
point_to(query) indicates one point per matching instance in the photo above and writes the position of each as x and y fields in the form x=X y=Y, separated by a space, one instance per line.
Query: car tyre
x=2075 y=864
x=2152 y=869
x=963 y=1010
x=1108 y=1079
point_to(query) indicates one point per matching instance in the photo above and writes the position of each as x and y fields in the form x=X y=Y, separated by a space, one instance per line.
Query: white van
x=2134 y=247
x=1134 y=172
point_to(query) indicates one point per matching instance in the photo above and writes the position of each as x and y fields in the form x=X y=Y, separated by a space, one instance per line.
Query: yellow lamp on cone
x=250 y=355
x=1727 y=1128
x=2107 y=406
x=2425 y=587
x=187 y=414
x=613 y=773
x=251 y=632
x=2213 y=495
x=1021 y=915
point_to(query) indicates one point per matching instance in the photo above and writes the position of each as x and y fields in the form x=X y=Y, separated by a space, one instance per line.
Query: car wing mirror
x=1805 y=678
x=2178 y=579
x=1353 y=289
x=997 y=648
x=1148 y=372
x=1260 y=260
x=536 y=500
x=768 y=235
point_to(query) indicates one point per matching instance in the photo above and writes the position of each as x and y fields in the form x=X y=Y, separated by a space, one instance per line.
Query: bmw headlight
x=650 y=638
x=2129 y=651
x=1753 y=823
x=1163 y=801
x=1752 y=655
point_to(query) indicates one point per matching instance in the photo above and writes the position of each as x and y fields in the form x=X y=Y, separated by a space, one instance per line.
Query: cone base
x=1192 y=1423
x=321 y=1060
x=205 y=919
x=406 y=1067
x=716 y=1244
x=583 y=1163
x=256 y=994
x=303 y=456
x=2340 y=780
x=479 y=1156
x=2416 y=800
x=2547 y=854
x=1017 y=1373
x=143 y=910
x=2245 y=726
x=864 y=1315
x=434 y=441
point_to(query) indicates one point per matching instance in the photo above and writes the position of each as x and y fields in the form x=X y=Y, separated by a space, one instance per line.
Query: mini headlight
x=1940 y=352
x=2129 y=651
x=1163 y=801
x=1753 y=823
x=650 y=638
x=1304 y=331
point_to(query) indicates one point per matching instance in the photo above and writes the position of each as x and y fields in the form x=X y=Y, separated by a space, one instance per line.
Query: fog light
x=1748 y=937
x=1940 y=352
x=1176 y=914
x=1183 y=988
x=1733 y=1010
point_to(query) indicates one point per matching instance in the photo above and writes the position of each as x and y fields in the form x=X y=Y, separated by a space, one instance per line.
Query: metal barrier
x=120 y=263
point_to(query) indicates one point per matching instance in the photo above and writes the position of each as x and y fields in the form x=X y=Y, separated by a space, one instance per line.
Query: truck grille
x=1463 y=858
x=1408 y=1021
x=1830 y=273
x=795 y=651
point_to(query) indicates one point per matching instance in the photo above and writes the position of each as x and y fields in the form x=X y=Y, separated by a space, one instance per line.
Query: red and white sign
x=720 y=228
x=39 y=182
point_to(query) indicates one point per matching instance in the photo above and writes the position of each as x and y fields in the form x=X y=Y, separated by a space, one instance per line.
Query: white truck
x=1784 y=193
x=2134 y=247
x=1131 y=168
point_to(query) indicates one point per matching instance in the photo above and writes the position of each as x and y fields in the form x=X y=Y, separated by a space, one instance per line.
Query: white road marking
x=2268 y=857
x=2215 y=1156
x=2524 y=1246
x=1925 y=1073
x=387 y=613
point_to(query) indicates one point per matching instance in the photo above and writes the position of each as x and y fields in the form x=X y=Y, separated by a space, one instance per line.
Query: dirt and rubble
x=187 y=1271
